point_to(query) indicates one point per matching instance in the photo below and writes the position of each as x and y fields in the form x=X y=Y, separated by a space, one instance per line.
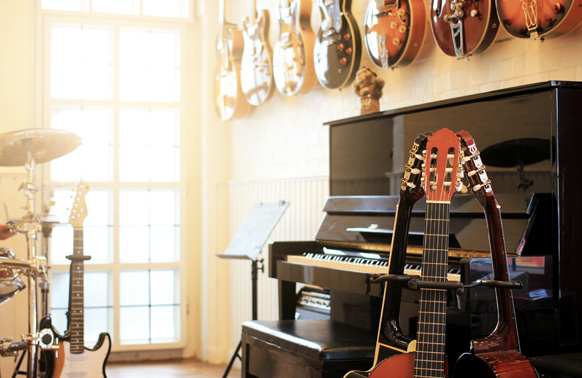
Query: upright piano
x=529 y=137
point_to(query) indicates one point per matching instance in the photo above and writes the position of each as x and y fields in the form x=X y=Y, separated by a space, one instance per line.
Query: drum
x=10 y=282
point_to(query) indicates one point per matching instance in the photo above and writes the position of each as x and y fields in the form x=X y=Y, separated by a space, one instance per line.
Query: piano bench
x=306 y=348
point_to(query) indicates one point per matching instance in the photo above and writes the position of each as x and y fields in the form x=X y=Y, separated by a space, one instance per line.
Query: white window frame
x=45 y=18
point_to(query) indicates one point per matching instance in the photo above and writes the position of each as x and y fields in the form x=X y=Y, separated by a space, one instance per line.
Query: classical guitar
x=229 y=99
x=440 y=178
x=394 y=31
x=293 y=67
x=338 y=46
x=464 y=28
x=256 y=75
x=73 y=359
x=390 y=339
x=539 y=18
x=496 y=355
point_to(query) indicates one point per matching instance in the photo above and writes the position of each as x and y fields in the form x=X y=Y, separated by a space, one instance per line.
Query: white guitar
x=72 y=358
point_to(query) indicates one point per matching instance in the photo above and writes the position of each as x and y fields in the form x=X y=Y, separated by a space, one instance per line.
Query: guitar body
x=256 y=62
x=539 y=18
x=464 y=28
x=293 y=66
x=229 y=99
x=88 y=364
x=394 y=31
x=399 y=366
x=505 y=364
x=338 y=46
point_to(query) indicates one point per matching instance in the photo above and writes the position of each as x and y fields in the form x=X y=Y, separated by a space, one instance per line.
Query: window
x=117 y=83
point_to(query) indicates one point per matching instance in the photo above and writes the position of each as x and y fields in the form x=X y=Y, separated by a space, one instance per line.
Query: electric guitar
x=293 y=67
x=439 y=182
x=496 y=355
x=256 y=76
x=394 y=31
x=464 y=27
x=73 y=359
x=390 y=339
x=229 y=99
x=539 y=18
x=338 y=46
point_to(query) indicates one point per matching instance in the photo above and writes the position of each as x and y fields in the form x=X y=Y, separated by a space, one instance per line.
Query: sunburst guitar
x=293 y=67
x=539 y=18
x=394 y=31
x=462 y=28
x=338 y=46
x=229 y=99
x=257 y=59
x=73 y=359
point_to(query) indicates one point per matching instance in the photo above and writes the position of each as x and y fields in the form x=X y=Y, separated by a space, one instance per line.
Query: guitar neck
x=430 y=343
x=76 y=294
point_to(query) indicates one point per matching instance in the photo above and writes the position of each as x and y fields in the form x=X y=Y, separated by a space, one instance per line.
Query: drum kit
x=28 y=148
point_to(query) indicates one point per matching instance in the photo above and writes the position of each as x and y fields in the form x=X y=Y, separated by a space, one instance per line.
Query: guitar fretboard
x=76 y=295
x=430 y=347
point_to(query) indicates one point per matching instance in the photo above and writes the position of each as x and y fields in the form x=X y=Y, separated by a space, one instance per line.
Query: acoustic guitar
x=229 y=99
x=539 y=18
x=293 y=67
x=496 y=355
x=464 y=28
x=256 y=75
x=394 y=31
x=440 y=179
x=73 y=359
x=338 y=46
x=391 y=339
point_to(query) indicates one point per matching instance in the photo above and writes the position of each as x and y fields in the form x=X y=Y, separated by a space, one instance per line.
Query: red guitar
x=498 y=354
x=539 y=18
x=440 y=180
x=464 y=28
x=394 y=31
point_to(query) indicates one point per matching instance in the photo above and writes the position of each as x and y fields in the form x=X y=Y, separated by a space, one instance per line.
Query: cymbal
x=42 y=144
x=517 y=152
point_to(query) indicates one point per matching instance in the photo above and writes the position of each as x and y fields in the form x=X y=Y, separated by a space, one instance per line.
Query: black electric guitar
x=72 y=358
x=391 y=340
x=338 y=46
x=256 y=74
x=394 y=31
x=441 y=177
x=293 y=57
x=496 y=355
x=229 y=99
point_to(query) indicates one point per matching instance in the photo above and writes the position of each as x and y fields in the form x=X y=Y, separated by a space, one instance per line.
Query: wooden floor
x=168 y=369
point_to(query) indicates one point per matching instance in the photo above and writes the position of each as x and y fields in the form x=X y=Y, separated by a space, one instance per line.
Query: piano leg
x=287 y=300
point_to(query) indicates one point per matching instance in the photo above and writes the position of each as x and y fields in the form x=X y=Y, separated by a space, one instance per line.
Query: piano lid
x=366 y=222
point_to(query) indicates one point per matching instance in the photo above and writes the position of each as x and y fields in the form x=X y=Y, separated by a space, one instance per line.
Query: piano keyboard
x=368 y=265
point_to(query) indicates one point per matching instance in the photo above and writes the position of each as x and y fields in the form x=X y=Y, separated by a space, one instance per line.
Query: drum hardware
x=28 y=148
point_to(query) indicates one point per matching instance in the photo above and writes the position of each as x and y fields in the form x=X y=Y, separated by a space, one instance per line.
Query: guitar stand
x=256 y=266
x=459 y=287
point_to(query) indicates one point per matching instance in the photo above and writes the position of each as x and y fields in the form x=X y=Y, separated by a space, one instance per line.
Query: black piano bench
x=307 y=348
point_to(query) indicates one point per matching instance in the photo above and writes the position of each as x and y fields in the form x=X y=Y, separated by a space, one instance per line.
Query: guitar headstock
x=410 y=186
x=473 y=166
x=442 y=169
x=79 y=208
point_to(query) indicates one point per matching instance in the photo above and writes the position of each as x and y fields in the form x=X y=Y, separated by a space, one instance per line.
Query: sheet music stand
x=247 y=244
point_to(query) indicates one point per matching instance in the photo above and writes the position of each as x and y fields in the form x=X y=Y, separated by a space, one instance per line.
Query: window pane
x=134 y=244
x=134 y=325
x=164 y=243
x=165 y=324
x=165 y=8
x=134 y=288
x=97 y=321
x=97 y=289
x=68 y=5
x=116 y=6
x=163 y=285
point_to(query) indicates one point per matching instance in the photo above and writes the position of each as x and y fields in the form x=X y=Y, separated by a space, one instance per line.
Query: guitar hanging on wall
x=293 y=67
x=73 y=359
x=462 y=28
x=496 y=355
x=539 y=18
x=338 y=46
x=256 y=75
x=229 y=99
x=394 y=31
